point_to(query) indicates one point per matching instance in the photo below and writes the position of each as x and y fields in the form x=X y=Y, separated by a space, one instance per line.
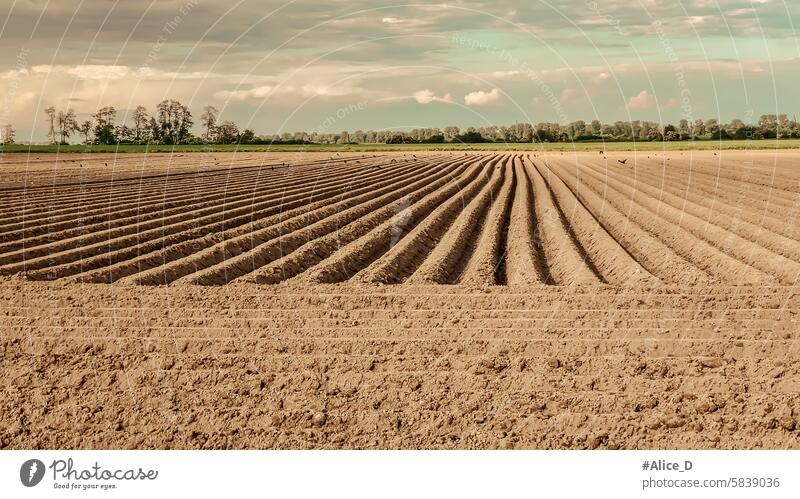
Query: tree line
x=172 y=123
x=769 y=126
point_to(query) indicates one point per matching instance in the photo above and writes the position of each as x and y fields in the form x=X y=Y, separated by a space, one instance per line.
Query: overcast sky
x=334 y=65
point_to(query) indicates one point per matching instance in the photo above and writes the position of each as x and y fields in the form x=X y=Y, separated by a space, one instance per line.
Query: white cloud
x=85 y=71
x=481 y=98
x=261 y=92
x=426 y=97
x=505 y=75
x=391 y=20
x=268 y=91
x=98 y=72
x=644 y=100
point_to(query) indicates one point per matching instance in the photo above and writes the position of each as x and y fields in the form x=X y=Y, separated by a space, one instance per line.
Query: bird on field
x=715 y=154
x=601 y=152
x=623 y=161
x=106 y=164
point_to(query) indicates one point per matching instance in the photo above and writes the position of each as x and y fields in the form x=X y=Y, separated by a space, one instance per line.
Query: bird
x=601 y=152
x=623 y=161
x=106 y=164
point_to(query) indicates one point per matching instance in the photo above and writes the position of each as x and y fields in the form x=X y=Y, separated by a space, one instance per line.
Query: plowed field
x=428 y=300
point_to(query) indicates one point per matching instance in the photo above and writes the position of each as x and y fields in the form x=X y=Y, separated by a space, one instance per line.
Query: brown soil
x=435 y=300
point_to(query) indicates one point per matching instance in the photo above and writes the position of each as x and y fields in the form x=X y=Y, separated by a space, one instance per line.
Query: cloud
x=426 y=97
x=391 y=20
x=481 y=98
x=261 y=92
x=267 y=91
x=671 y=103
x=644 y=100
x=505 y=75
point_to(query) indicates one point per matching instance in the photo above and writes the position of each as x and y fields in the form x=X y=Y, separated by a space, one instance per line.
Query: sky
x=337 y=65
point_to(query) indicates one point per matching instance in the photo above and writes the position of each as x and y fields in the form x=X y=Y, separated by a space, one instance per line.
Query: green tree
x=174 y=122
x=104 y=125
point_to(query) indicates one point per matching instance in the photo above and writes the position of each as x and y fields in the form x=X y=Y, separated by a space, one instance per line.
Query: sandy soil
x=428 y=300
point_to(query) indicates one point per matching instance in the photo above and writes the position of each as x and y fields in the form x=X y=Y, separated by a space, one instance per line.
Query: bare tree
x=66 y=124
x=209 y=121
x=7 y=135
x=51 y=115
x=86 y=130
x=140 y=120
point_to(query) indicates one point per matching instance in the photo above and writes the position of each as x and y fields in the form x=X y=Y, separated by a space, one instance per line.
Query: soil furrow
x=357 y=255
x=487 y=260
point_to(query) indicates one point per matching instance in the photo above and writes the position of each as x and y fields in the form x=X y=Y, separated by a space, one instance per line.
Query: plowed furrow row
x=406 y=255
x=758 y=207
x=237 y=260
x=144 y=190
x=643 y=244
x=567 y=261
x=703 y=254
x=314 y=252
x=611 y=259
x=751 y=173
x=190 y=250
x=525 y=257
x=458 y=242
x=159 y=205
x=108 y=190
x=485 y=266
x=681 y=213
x=357 y=255
x=743 y=219
x=106 y=241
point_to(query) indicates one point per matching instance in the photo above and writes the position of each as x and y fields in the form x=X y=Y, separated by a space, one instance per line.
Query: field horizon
x=699 y=145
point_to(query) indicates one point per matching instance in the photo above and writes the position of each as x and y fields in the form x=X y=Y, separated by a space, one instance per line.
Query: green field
x=544 y=147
